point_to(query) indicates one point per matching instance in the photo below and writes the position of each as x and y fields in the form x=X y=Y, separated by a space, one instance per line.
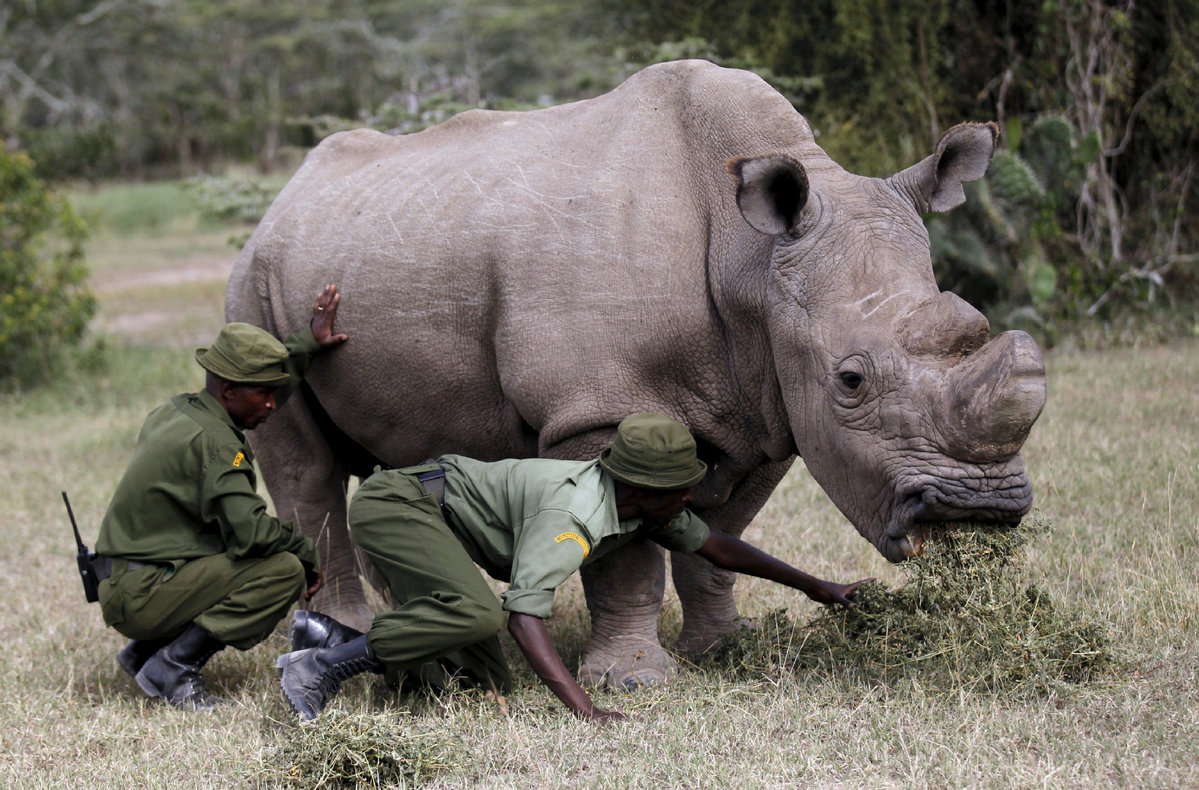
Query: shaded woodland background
x=1083 y=231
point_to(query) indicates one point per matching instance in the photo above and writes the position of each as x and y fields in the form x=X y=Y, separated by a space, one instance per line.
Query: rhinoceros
x=516 y=283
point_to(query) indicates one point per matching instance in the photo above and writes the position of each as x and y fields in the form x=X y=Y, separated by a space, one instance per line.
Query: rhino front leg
x=705 y=591
x=624 y=594
x=308 y=486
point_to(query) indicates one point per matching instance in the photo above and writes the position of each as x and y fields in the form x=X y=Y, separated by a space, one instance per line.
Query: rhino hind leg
x=624 y=593
x=308 y=481
x=706 y=595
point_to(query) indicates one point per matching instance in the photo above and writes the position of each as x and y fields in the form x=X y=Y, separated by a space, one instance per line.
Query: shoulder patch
x=573 y=536
x=237 y=459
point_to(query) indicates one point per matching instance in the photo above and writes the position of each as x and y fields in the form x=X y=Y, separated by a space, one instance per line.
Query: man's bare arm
x=533 y=639
x=734 y=554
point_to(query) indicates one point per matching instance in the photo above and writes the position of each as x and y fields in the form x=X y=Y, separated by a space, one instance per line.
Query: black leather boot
x=133 y=655
x=310 y=678
x=173 y=673
x=313 y=629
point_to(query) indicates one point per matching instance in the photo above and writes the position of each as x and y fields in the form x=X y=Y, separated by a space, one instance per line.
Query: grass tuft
x=358 y=749
x=965 y=618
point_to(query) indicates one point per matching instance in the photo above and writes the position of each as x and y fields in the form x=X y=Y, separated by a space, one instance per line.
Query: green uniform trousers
x=444 y=616
x=237 y=601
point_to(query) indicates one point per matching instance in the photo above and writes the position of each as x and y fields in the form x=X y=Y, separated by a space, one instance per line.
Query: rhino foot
x=625 y=664
x=695 y=641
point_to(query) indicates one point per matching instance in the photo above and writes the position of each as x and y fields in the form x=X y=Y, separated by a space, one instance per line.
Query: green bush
x=44 y=302
x=232 y=199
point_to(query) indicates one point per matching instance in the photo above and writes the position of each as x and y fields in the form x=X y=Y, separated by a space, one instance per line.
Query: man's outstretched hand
x=831 y=592
x=734 y=554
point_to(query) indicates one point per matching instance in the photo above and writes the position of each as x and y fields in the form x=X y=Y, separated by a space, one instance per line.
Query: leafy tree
x=44 y=46
x=142 y=85
x=1151 y=148
x=44 y=304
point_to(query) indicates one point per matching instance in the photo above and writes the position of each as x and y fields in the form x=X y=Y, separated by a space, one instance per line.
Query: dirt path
x=178 y=305
x=195 y=270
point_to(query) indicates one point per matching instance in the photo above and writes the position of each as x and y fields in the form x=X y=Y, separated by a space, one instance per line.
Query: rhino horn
x=962 y=154
x=771 y=191
x=993 y=398
x=946 y=325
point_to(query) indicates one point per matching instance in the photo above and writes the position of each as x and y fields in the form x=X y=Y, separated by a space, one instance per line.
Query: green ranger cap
x=245 y=354
x=653 y=451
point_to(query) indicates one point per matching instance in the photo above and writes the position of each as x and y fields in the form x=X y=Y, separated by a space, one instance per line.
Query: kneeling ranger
x=190 y=559
x=530 y=522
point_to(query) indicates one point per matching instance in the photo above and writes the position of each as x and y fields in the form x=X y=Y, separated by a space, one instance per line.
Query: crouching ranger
x=530 y=522
x=191 y=560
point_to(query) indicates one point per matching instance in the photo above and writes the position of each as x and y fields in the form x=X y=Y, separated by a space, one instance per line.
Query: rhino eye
x=851 y=380
x=849 y=384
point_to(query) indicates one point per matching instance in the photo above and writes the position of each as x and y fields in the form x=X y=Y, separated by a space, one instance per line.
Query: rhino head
x=903 y=408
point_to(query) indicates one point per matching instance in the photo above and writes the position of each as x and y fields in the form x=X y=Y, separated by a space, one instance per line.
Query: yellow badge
x=576 y=538
x=238 y=459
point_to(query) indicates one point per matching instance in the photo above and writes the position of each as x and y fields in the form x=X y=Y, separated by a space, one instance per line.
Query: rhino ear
x=963 y=153
x=771 y=191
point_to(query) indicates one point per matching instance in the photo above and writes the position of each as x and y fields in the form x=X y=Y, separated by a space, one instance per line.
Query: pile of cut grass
x=965 y=618
x=344 y=749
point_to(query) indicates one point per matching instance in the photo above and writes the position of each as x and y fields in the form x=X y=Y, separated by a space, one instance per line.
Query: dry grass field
x=1115 y=462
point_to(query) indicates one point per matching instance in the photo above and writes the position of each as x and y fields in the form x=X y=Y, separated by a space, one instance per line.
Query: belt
x=433 y=481
x=102 y=566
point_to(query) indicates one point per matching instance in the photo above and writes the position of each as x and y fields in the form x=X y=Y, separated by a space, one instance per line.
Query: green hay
x=966 y=618
x=357 y=750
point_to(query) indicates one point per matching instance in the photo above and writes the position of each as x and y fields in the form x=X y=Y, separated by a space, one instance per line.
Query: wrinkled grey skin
x=514 y=284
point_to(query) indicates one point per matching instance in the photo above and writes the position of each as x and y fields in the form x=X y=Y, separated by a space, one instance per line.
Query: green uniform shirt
x=534 y=522
x=190 y=489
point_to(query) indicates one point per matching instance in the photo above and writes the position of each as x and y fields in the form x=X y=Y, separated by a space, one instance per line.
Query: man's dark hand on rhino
x=524 y=281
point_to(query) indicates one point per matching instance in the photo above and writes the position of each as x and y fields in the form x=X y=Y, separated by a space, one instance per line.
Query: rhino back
x=541 y=273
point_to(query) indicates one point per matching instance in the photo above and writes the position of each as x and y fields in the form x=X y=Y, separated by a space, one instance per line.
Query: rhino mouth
x=921 y=504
